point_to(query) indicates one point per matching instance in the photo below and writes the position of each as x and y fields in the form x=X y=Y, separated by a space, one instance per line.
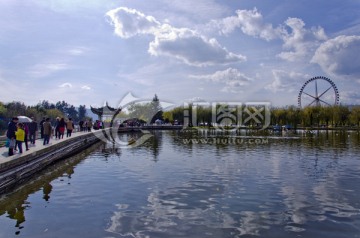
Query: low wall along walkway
x=19 y=167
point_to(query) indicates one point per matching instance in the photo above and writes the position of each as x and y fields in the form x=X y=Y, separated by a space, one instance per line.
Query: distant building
x=105 y=113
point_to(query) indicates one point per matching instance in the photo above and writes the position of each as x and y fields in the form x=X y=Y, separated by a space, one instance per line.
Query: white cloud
x=339 y=56
x=77 y=51
x=130 y=22
x=85 y=87
x=350 y=97
x=181 y=43
x=250 y=22
x=191 y=48
x=300 y=42
x=66 y=85
x=43 y=70
x=285 y=81
x=233 y=79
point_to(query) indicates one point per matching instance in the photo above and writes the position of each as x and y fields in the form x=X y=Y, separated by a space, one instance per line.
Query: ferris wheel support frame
x=317 y=98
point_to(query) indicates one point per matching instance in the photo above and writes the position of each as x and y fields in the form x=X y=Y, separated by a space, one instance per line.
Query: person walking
x=89 y=125
x=69 y=127
x=57 y=132
x=20 y=136
x=62 y=126
x=26 y=129
x=10 y=134
x=81 y=124
x=47 y=131
x=42 y=128
x=33 y=128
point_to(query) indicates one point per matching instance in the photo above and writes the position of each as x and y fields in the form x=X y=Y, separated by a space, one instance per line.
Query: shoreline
x=16 y=169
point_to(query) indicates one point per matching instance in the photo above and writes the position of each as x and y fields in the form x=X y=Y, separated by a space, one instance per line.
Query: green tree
x=309 y=116
x=355 y=116
x=278 y=116
x=46 y=104
x=340 y=115
x=33 y=112
x=168 y=116
x=54 y=113
x=204 y=115
x=15 y=109
x=82 y=112
x=155 y=110
x=139 y=110
x=146 y=111
x=325 y=114
x=178 y=114
x=62 y=106
x=71 y=112
x=3 y=110
x=3 y=121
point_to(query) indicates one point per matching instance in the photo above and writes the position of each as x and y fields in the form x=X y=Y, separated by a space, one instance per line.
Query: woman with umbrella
x=25 y=121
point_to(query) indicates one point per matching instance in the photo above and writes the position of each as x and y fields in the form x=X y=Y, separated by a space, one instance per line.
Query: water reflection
x=47 y=190
x=241 y=198
x=153 y=144
x=109 y=149
x=17 y=213
x=15 y=204
x=294 y=185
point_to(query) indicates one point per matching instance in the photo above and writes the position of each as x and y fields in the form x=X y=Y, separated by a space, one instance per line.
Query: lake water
x=303 y=185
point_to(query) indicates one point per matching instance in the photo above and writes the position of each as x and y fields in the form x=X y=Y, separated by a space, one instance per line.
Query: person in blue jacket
x=10 y=134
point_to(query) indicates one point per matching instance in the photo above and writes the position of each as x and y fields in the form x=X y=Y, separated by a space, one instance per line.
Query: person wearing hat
x=10 y=134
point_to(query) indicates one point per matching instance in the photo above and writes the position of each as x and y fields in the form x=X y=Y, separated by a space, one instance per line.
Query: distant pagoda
x=105 y=112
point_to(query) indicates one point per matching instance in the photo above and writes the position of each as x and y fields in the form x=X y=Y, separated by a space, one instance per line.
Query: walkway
x=34 y=148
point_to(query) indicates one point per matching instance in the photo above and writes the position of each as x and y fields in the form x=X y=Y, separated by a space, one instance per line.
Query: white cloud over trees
x=285 y=81
x=339 y=56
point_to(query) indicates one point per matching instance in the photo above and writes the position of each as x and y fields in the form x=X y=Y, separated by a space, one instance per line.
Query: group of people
x=19 y=133
x=86 y=125
x=60 y=127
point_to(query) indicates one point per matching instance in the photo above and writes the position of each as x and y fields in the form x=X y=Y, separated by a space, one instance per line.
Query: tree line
x=148 y=112
x=332 y=116
x=316 y=116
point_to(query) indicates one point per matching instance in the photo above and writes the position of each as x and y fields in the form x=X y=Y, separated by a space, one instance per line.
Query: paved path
x=32 y=148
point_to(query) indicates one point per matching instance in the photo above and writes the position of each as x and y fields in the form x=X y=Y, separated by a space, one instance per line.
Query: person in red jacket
x=62 y=126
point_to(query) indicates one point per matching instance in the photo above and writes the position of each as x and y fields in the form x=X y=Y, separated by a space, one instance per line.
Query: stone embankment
x=18 y=168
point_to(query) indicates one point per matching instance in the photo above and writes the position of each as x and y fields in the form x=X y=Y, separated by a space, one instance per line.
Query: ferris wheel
x=318 y=91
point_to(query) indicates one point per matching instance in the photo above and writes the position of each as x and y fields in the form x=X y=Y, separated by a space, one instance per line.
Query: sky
x=88 y=52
